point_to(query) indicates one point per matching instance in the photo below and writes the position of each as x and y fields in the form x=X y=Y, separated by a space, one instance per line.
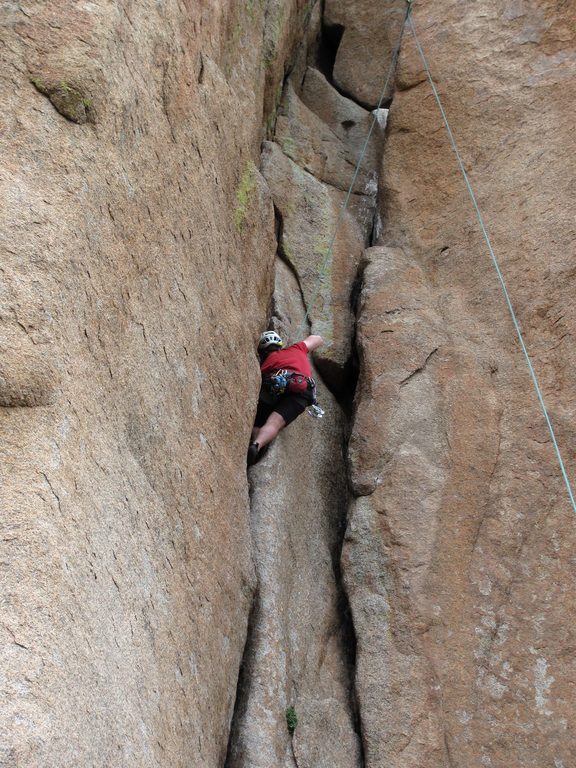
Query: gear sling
x=284 y=382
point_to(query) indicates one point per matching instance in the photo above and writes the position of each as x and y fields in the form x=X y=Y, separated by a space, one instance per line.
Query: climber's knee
x=276 y=422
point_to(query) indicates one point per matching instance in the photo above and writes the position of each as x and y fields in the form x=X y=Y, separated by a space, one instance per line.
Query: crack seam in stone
x=420 y=369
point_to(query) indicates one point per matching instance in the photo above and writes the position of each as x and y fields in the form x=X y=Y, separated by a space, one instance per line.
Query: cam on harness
x=283 y=382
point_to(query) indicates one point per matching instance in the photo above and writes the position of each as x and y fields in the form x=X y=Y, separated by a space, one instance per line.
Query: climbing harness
x=284 y=382
x=493 y=257
x=276 y=384
x=344 y=206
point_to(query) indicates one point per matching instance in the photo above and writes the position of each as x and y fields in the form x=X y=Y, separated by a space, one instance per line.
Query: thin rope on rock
x=494 y=261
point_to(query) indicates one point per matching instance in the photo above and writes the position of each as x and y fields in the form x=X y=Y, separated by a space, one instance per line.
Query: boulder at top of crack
x=363 y=58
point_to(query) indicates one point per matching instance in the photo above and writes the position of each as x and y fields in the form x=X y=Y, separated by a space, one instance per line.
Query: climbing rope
x=494 y=259
x=344 y=206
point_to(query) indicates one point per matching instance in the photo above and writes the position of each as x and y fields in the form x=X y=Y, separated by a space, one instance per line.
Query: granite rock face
x=137 y=242
x=458 y=558
x=404 y=582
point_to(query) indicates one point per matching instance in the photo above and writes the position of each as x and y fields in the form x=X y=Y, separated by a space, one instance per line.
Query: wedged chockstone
x=346 y=119
x=371 y=32
x=310 y=211
x=326 y=141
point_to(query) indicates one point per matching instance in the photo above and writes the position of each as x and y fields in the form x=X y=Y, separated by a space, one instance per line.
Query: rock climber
x=287 y=387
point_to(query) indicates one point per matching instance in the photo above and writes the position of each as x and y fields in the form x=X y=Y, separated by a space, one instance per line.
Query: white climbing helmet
x=270 y=339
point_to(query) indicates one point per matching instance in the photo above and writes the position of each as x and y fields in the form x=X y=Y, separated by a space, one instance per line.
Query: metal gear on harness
x=277 y=383
x=316 y=411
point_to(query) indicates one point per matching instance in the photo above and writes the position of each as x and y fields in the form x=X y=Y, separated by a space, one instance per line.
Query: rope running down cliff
x=494 y=260
x=344 y=206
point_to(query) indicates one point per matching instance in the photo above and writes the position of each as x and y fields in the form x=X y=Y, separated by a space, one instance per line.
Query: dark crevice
x=281 y=254
x=325 y=59
x=349 y=642
x=242 y=686
x=354 y=359
x=340 y=380
x=343 y=380
x=345 y=397
x=364 y=104
x=330 y=38
x=280 y=250
x=346 y=622
x=376 y=230
x=291 y=64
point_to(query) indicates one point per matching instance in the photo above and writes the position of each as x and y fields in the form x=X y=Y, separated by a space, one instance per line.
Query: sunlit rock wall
x=459 y=559
x=137 y=246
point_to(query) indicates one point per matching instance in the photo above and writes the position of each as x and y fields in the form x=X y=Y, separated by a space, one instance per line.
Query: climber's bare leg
x=274 y=424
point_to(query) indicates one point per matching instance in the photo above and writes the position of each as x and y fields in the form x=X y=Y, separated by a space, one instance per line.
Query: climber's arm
x=313 y=342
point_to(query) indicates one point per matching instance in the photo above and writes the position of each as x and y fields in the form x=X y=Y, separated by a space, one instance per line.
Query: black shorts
x=288 y=406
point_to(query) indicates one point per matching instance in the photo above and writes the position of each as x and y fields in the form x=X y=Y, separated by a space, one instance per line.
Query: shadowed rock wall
x=300 y=649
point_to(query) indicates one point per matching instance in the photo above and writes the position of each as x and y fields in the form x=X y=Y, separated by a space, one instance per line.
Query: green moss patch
x=291 y=720
x=245 y=195
x=66 y=99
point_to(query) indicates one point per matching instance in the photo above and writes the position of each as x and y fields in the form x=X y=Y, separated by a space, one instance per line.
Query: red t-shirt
x=294 y=358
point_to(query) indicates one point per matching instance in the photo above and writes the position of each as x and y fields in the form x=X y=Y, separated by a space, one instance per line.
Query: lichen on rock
x=66 y=99
x=245 y=195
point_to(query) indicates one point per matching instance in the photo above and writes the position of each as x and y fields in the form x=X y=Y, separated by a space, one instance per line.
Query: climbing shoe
x=253 y=452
